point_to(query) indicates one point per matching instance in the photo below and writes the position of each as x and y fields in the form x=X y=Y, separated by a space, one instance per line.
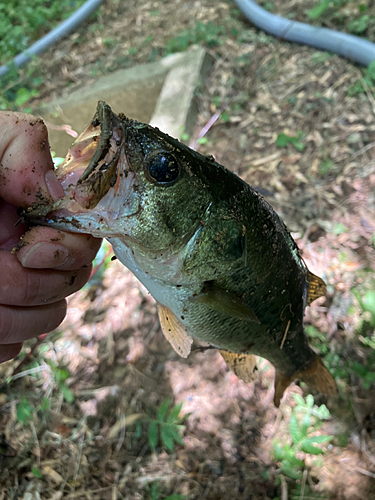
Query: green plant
x=305 y=420
x=154 y=493
x=366 y=300
x=61 y=375
x=208 y=34
x=319 y=9
x=21 y=22
x=366 y=82
x=326 y=165
x=284 y=139
x=24 y=411
x=165 y=427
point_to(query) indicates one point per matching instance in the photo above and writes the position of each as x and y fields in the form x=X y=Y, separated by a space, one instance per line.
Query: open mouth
x=94 y=175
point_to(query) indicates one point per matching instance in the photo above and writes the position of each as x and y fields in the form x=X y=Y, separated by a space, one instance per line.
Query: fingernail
x=43 y=256
x=54 y=187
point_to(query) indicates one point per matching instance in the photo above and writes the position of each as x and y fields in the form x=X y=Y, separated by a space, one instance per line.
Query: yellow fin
x=242 y=365
x=317 y=287
x=316 y=376
x=174 y=331
x=225 y=302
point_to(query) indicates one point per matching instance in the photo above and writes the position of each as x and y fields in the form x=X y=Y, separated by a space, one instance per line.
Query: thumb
x=26 y=167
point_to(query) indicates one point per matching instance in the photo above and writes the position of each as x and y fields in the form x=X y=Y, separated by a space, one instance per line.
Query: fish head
x=127 y=180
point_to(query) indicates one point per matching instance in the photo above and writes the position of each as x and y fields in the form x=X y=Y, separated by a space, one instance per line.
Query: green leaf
x=138 y=431
x=299 y=400
x=283 y=139
x=67 y=393
x=339 y=228
x=37 y=473
x=310 y=401
x=225 y=116
x=24 y=411
x=295 y=430
x=153 y=434
x=155 y=491
x=289 y=471
x=368 y=302
x=323 y=412
x=163 y=408
x=278 y=451
x=167 y=437
x=176 y=435
x=307 y=447
x=175 y=411
x=318 y=10
x=320 y=439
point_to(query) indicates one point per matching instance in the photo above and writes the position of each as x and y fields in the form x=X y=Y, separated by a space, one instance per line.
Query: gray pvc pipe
x=349 y=46
x=53 y=36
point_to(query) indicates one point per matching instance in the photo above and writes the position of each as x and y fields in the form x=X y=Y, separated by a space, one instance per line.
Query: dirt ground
x=121 y=367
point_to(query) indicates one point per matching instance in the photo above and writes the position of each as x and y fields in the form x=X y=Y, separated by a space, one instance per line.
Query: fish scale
x=212 y=252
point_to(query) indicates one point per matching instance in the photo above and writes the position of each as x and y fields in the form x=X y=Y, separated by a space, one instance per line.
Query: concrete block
x=160 y=93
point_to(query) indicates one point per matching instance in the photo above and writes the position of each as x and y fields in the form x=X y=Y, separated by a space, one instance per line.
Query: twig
x=36 y=441
x=26 y=359
x=122 y=434
x=284 y=488
x=285 y=334
x=303 y=485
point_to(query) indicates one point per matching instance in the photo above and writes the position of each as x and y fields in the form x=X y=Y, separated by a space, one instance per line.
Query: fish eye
x=162 y=168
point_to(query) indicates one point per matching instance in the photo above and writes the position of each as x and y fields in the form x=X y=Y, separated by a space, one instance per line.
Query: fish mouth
x=97 y=179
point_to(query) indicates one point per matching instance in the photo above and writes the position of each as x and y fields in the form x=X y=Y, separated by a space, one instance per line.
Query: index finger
x=26 y=167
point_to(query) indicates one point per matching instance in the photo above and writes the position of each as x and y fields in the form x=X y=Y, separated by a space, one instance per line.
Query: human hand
x=51 y=264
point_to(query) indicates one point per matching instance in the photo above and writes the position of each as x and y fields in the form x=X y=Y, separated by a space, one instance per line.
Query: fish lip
x=108 y=167
x=104 y=117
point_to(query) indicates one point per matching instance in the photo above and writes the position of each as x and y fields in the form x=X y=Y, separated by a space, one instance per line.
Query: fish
x=214 y=254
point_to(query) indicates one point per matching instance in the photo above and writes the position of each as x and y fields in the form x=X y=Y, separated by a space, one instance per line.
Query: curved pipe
x=349 y=46
x=64 y=29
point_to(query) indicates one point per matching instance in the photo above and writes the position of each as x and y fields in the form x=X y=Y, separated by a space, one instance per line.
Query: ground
x=120 y=367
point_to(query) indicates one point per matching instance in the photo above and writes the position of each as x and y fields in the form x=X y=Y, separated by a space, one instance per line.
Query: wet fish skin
x=210 y=249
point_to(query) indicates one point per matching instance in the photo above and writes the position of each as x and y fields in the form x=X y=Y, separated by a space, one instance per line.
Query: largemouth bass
x=213 y=253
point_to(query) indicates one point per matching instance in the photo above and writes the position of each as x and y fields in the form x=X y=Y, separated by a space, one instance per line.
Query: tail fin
x=316 y=375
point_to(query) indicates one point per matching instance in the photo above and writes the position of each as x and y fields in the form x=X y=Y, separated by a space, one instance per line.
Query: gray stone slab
x=160 y=93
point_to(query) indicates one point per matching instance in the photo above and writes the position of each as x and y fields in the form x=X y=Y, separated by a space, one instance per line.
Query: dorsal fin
x=317 y=287
x=242 y=365
x=174 y=331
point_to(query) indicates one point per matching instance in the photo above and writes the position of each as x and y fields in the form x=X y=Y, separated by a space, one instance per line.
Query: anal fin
x=242 y=365
x=317 y=287
x=175 y=332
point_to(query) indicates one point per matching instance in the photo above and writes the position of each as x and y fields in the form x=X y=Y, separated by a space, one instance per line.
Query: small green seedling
x=305 y=420
x=284 y=139
x=166 y=426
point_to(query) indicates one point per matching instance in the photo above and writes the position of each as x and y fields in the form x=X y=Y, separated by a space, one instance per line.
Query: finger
x=18 y=324
x=10 y=231
x=47 y=248
x=26 y=167
x=20 y=286
x=9 y=351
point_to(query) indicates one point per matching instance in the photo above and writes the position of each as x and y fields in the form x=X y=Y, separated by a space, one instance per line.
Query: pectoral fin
x=317 y=287
x=242 y=365
x=174 y=331
x=314 y=375
x=226 y=303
